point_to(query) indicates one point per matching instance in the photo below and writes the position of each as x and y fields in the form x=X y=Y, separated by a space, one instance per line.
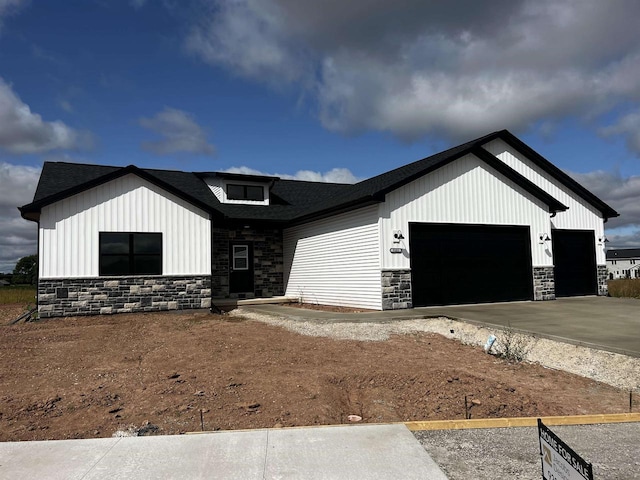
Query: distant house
x=489 y=220
x=623 y=263
x=4 y=283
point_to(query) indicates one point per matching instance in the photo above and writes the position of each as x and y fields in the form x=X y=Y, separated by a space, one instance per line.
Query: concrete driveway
x=611 y=324
x=604 y=323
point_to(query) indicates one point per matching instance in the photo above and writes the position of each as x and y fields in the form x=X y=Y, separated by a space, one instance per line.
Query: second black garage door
x=456 y=264
x=574 y=257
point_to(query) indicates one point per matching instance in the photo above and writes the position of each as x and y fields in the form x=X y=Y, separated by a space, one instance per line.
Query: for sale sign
x=559 y=461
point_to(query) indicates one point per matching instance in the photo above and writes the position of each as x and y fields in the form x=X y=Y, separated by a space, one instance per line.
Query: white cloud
x=18 y=237
x=623 y=239
x=629 y=127
x=621 y=193
x=22 y=131
x=257 y=26
x=179 y=132
x=335 y=175
x=65 y=105
x=457 y=68
x=9 y=7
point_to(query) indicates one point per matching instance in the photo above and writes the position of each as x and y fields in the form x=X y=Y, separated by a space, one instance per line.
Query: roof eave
x=384 y=191
x=343 y=207
x=28 y=213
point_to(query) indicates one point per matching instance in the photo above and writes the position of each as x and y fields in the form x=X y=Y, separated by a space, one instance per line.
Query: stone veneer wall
x=544 y=283
x=58 y=297
x=603 y=286
x=396 y=289
x=268 y=262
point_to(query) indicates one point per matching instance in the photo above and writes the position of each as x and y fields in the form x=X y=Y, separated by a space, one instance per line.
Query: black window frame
x=245 y=192
x=131 y=254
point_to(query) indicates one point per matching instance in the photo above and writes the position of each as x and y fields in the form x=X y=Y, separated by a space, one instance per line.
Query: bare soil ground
x=91 y=376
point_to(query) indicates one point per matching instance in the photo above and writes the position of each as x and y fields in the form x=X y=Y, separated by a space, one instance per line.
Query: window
x=633 y=262
x=241 y=257
x=130 y=253
x=613 y=262
x=245 y=192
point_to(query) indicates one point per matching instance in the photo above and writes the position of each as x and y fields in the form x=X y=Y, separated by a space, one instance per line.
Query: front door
x=241 y=267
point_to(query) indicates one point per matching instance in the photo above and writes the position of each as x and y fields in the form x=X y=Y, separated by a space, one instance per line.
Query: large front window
x=130 y=253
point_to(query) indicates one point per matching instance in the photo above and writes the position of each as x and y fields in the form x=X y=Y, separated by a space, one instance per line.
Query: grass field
x=625 y=287
x=18 y=294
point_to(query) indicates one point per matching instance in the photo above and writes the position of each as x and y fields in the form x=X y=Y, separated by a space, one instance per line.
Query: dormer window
x=245 y=192
x=240 y=189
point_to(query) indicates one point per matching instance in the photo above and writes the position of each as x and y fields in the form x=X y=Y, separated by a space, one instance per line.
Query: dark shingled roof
x=57 y=177
x=622 y=253
x=295 y=201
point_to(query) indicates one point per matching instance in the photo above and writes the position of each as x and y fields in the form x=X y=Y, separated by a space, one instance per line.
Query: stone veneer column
x=220 y=262
x=544 y=283
x=603 y=285
x=60 y=297
x=268 y=262
x=396 y=289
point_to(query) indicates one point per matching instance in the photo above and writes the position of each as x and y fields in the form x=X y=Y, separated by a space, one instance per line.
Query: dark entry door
x=241 y=267
x=456 y=264
x=574 y=258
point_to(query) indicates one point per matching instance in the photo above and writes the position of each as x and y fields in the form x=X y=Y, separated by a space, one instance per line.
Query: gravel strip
x=613 y=369
x=487 y=454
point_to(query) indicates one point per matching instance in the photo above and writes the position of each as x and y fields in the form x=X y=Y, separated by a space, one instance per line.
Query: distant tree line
x=25 y=272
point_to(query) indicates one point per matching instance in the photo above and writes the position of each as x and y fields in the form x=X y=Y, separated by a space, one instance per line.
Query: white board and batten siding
x=69 y=228
x=466 y=191
x=580 y=215
x=335 y=261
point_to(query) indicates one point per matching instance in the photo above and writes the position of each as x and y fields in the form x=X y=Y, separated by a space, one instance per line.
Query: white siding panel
x=69 y=228
x=465 y=191
x=580 y=216
x=335 y=261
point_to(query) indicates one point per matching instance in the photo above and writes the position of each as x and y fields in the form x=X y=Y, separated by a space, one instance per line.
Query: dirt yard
x=91 y=376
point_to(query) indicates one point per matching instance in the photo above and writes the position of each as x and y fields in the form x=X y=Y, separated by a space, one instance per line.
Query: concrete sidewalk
x=604 y=323
x=346 y=452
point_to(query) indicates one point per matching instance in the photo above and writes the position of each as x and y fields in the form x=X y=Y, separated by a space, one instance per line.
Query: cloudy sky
x=332 y=90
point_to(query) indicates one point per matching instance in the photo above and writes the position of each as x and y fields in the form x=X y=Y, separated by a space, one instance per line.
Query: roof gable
x=556 y=173
x=55 y=184
x=375 y=188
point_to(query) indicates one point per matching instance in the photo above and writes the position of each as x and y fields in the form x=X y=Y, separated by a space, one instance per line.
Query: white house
x=623 y=263
x=489 y=220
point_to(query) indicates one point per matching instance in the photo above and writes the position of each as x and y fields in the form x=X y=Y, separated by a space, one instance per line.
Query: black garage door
x=455 y=264
x=574 y=258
